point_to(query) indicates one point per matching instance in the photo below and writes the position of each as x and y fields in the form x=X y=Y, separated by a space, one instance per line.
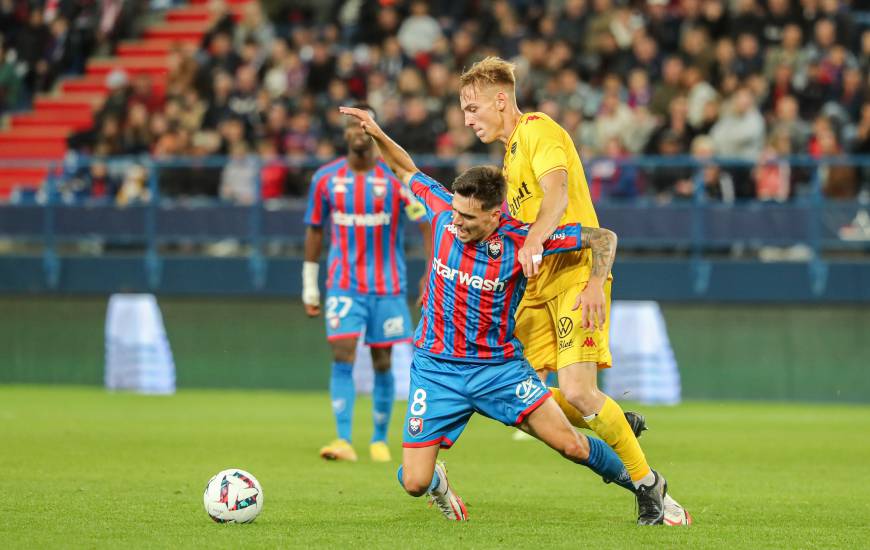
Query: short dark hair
x=483 y=183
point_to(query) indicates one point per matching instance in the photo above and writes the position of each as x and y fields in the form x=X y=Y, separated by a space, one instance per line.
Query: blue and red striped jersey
x=474 y=288
x=366 y=214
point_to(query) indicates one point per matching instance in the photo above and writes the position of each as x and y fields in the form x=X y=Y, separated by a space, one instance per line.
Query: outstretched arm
x=397 y=159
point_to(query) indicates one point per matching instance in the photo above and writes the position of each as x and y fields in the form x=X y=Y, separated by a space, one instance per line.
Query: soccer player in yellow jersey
x=563 y=318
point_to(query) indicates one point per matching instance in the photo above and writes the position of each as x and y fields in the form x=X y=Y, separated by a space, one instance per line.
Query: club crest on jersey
x=379 y=186
x=415 y=426
x=493 y=249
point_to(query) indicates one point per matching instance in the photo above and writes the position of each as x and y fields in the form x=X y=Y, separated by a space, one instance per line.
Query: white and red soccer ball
x=233 y=496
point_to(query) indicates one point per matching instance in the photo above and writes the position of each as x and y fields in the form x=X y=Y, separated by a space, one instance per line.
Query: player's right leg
x=437 y=413
x=421 y=475
x=345 y=319
x=342 y=394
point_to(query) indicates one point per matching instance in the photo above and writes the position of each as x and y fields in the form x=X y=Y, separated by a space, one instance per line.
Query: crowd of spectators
x=41 y=40
x=750 y=80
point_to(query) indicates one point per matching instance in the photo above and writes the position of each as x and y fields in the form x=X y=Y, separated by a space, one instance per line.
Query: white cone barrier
x=644 y=366
x=138 y=356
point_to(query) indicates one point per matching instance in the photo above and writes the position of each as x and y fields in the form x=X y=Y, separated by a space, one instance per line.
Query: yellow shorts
x=551 y=335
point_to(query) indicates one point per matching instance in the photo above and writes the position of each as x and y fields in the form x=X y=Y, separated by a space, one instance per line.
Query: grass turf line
x=87 y=467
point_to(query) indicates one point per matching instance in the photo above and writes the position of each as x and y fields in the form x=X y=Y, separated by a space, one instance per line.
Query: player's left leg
x=548 y=424
x=389 y=322
x=383 y=396
x=581 y=353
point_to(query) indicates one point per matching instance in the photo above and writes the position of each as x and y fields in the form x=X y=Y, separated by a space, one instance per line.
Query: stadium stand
x=689 y=82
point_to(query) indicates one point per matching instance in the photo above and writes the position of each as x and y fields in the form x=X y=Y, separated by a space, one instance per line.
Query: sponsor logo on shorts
x=588 y=342
x=394 y=326
x=566 y=344
x=415 y=426
x=566 y=325
x=334 y=322
x=528 y=391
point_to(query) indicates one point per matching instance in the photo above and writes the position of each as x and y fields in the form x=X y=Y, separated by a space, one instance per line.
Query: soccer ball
x=233 y=496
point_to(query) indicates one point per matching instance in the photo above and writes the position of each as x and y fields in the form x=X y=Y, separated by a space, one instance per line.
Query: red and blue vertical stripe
x=364 y=213
x=474 y=289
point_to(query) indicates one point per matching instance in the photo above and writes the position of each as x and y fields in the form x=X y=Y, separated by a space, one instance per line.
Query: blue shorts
x=385 y=319
x=444 y=394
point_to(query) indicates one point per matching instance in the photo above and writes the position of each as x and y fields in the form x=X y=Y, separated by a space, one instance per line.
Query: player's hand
x=366 y=122
x=530 y=256
x=594 y=312
x=310 y=290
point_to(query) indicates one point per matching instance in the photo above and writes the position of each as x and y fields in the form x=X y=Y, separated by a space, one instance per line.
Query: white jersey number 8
x=418 y=405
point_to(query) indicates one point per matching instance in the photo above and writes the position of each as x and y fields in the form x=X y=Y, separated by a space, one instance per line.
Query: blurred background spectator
x=753 y=80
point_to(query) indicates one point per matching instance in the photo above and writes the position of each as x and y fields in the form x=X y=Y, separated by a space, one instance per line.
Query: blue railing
x=697 y=228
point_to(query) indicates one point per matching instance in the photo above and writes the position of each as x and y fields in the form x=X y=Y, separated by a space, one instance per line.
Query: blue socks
x=383 y=395
x=342 y=393
x=606 y=463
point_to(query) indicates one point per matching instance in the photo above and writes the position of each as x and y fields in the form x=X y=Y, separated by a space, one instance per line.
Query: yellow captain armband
x=415 y=210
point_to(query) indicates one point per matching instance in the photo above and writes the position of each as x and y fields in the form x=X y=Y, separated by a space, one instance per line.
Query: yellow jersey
x=538 y=146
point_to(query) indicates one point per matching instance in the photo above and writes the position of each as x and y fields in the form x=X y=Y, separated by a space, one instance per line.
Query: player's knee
x=381 y=362
x=584 y=399
x=415 y=485
x=344 y=353
x=576 y=449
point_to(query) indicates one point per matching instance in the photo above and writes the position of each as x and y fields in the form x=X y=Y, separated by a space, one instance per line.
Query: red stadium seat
x=177 y=31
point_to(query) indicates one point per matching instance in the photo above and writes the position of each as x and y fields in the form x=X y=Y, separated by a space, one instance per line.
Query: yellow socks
x=575 y=417
x=611 y=426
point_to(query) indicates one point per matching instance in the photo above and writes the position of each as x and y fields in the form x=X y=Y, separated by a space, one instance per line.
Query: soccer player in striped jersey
x=365 y=207
x=467 y=358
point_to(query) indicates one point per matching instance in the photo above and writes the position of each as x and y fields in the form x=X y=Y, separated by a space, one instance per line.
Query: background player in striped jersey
x=546 y=187
x=467 y=358
x=365 y=207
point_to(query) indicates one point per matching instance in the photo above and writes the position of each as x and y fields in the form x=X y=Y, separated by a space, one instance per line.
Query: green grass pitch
x=86 y=468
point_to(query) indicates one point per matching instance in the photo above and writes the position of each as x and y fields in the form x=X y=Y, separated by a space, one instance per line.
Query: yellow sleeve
x=545 y=145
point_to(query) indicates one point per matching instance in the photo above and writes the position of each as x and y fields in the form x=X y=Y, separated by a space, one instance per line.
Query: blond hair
x=490 y=71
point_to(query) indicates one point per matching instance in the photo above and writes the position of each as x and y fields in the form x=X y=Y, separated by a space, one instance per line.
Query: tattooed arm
x=602 y=243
